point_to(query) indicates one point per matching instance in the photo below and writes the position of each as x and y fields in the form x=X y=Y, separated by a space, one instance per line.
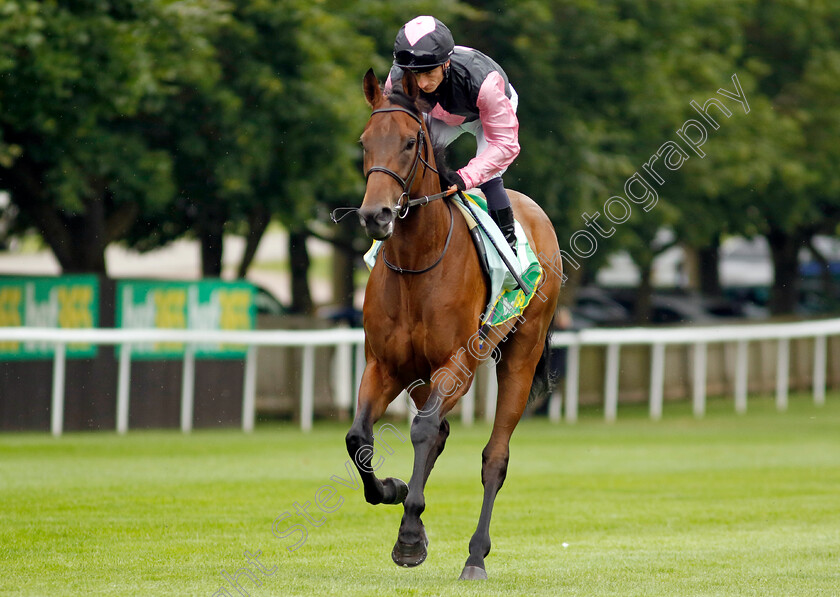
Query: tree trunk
x=258 y=221
x=574 y=280
x=708 y=258
x=211 y=225
x=69 y=236
x=784 y=249
x=299 y=270
x=688 y=269
x=78 y=241
x=644 y=294
x=344 y=286
x=211 y=252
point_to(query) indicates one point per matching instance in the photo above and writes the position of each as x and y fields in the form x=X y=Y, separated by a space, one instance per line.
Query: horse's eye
x=411 y=143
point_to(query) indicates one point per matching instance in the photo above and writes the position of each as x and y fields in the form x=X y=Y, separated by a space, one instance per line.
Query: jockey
x=470 y=93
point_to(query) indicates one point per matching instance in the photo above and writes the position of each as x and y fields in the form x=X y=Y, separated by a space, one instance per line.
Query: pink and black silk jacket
x=475 y=88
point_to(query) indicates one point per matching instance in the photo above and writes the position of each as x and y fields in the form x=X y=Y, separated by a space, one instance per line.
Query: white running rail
x=346 y=379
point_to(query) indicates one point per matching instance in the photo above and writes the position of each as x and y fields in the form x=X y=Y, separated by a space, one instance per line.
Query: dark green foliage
x=146 y=120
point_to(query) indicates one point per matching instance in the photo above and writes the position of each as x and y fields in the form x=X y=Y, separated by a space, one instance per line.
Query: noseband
x=406 y=183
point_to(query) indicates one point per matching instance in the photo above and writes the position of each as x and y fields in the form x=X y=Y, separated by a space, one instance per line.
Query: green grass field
x=727 y=505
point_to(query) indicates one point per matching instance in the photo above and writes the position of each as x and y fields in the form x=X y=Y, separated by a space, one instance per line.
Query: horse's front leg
x=410 y=548
x=376 y=392
x=429 y=431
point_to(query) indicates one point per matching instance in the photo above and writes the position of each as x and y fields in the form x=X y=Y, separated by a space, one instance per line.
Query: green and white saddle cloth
x=507 y=300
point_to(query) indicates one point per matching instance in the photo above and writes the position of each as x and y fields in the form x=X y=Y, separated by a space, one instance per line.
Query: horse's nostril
x=385 y=215
x=380 y=216
x=377 y=222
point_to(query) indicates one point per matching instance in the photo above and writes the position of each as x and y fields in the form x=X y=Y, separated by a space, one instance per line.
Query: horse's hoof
x=473 y=573
x=412 y=555
x=396 y=491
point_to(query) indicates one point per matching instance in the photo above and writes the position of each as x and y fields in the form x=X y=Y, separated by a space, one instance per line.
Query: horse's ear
x=409 y=84
x=373 y=93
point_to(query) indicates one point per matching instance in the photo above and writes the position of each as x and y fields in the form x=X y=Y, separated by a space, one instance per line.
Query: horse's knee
x=355 y=439
x=480 y=545
x=360 y=447
x=443 y=434
x=414 y=505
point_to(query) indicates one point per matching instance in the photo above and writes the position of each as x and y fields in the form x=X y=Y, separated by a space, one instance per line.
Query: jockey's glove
x=452 y=178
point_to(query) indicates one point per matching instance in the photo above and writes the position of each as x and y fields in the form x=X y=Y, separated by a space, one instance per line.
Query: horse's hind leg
x=515 y=372
x=377 y=390
x=494 y=463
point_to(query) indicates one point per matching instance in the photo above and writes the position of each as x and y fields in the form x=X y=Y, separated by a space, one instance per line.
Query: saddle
x=505 y=299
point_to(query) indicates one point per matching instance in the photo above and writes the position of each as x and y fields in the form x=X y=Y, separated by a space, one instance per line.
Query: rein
x=401 y=270
x=339 y=213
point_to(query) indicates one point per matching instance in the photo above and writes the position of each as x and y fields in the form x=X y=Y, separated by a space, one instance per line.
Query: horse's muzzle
x=378 y=222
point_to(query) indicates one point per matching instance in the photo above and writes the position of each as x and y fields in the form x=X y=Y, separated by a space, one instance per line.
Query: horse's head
x=394 y=141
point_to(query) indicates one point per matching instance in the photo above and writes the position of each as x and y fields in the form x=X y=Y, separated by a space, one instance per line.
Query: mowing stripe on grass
x=726 y=505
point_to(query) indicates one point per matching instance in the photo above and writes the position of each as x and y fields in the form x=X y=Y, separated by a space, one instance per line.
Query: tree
x=72 y=75
x=603 y=84
x=795 y=53
x=271 y=137
x=147 y=121
x=585 y=119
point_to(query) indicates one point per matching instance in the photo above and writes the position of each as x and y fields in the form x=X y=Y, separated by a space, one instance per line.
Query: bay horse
x=422 y=309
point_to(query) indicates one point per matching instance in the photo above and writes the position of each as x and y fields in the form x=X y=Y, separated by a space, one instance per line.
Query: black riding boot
x=498 y=205
x=504 y=220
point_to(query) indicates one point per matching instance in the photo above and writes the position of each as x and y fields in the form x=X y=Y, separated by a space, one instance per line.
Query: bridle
x=406 y=184
x=340 y=213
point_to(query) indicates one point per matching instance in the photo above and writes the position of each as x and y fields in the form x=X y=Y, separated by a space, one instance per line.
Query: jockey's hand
x=456 y=183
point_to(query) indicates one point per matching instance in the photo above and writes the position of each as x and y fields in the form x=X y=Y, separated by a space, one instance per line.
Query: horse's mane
x=418 y=107
x=398 y=97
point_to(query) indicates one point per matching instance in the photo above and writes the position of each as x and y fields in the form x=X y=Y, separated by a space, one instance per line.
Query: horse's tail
x=544 y=378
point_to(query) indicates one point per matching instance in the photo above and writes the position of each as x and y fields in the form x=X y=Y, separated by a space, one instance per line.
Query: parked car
x=679 y=309
x=683 y=307
x=349 y=316
x=267 y=303
x=595 y=306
